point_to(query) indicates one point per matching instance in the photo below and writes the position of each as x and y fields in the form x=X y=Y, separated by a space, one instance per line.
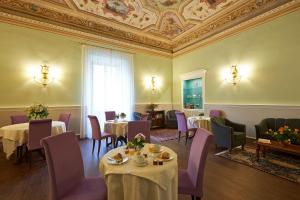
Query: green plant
x=139 y=140
x=37 y=111
x=152 y=106
x=122 y=115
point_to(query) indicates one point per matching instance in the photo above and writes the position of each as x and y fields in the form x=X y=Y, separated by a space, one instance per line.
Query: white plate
x=114 y=162
x=166 y=160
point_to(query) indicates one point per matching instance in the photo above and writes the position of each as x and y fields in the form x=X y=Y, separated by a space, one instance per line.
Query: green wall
x=23 y=48
x=145 y=66
x=269 y=52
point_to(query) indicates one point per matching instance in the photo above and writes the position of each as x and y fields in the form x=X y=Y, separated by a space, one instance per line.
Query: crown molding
x=246 y=14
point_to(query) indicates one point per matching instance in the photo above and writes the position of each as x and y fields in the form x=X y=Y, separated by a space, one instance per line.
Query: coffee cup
x=140 y=158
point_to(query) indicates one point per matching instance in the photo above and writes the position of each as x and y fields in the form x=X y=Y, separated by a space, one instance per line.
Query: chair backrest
x=144 y=116
x=171 y=114
x=65 y=165
x=181 y=121
x=110 y=115
x=18 y=119
x=96 y=130
x=197 y=157
x=215 y=113
x=38 y=129
x=135 y=127
x=65 y=117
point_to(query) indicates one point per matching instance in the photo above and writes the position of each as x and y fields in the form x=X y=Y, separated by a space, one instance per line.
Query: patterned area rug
x=276 y=163
x=161 y=135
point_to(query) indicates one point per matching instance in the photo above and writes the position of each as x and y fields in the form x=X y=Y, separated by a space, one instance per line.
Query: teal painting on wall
x=192 y=94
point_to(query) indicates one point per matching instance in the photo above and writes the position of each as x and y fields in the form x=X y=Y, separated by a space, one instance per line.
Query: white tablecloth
x=119 y=128
x=151 y=182
x=199 y=122
x=17 y=134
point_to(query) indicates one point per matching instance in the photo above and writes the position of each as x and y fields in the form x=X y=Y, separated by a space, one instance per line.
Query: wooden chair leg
x=243 y=147
x=186 y=137
x=193 y=197
x=93 y=146
x=112 y=140
x=99 y=145
x=198 y=198
x=179 y=135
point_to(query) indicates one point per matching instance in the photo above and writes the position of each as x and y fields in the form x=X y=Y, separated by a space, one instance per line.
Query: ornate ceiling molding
x=171 y=35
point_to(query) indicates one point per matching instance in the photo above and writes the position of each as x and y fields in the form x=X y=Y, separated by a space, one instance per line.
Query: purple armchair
x=135 y=127
x=65 y=117
x=98 y=135
x=66 y=172
x=190 y=181
x=110 y=115
x=215 y=113
x=182 y=126
x=38 y=129
x=18 y=119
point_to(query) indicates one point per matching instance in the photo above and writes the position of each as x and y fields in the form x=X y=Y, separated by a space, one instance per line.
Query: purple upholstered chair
x=110 y=115
x=182 y=125
x=66 y=171
x=215 y=113
x=65 y=117
x=190 y=181
x=135 y=127
x=38 y=129
x=18 y=119
x=98 y=135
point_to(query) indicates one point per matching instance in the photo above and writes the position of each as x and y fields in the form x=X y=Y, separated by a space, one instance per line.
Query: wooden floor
x=224 y=179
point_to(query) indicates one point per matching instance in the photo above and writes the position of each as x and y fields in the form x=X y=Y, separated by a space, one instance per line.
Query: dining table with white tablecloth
x=129 y=181
x=17 y=134
x=199 y=122
x=116 y=127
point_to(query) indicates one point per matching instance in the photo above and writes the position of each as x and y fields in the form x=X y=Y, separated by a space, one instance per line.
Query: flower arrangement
x=285 y=134
x=37 y=111
x=139 y=141
x=122 y=115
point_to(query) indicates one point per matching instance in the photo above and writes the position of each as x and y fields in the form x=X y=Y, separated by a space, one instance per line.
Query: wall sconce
x=44 y=77
x=152 y=83
x=234 y=77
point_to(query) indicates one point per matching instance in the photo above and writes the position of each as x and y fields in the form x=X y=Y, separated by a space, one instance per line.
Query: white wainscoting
x=251 y=114
x=54 y=111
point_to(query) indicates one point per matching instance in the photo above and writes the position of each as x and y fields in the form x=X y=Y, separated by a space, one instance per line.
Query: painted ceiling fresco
x=160 y=26
x=167 y=18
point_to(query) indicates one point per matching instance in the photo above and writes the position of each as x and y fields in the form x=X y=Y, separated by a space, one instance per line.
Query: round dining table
x=17 y=134
x=129 y=181
x=116 y=127
x=199 y=122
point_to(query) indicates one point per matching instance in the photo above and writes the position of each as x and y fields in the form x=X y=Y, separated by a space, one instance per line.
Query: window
x=108 y=84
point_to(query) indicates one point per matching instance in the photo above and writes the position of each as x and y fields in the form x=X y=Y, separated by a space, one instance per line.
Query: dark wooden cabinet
x=157 y=118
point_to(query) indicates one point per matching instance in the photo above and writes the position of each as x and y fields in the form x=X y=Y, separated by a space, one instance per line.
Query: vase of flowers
x=122 y=115
x=139 y=141
x=285 y=135
x=37 y=111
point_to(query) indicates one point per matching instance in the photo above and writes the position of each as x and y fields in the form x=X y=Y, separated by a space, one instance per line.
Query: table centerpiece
x=285 y=135
x=37 y=111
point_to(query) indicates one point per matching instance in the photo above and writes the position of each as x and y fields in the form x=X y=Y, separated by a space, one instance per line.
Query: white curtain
x=107 y=84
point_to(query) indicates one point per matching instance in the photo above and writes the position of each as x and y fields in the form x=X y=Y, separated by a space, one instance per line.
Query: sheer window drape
x=107 y=84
